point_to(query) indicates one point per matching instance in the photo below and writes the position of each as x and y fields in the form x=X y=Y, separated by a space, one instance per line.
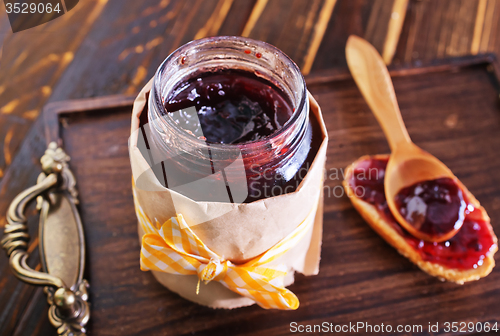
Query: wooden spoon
x=408 y=164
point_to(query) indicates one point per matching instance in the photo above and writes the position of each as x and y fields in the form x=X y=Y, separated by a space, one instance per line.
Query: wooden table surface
x=105 y=47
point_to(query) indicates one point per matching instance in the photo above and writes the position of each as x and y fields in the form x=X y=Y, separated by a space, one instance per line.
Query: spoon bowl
x=408 y=164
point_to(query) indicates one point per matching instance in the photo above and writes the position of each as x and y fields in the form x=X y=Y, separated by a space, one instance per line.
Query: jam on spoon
x=436 y=207
x=408 y=164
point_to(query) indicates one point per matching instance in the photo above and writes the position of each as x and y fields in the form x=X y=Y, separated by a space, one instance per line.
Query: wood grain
x=436 y=29
x=31 y=63
x=395 y=25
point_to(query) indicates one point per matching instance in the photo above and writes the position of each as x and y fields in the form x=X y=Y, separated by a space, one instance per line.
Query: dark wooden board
x=451 y=110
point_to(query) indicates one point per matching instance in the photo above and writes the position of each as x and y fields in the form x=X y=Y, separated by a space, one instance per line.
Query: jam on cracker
x=443 y=200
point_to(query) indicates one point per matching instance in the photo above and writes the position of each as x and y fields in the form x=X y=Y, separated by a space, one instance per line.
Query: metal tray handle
x=61 y=240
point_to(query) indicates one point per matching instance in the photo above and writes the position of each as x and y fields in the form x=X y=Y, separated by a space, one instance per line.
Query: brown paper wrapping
x=238 y=232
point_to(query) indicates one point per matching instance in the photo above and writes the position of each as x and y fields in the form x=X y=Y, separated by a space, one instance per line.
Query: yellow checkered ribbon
x=176 y=249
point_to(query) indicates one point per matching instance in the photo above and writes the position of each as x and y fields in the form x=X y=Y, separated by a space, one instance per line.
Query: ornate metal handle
x=62 y=247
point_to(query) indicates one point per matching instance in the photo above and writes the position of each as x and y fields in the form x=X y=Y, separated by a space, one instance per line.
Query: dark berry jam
x=435 y=207
x=233 y=106
x=245 y=112
x=465 y=250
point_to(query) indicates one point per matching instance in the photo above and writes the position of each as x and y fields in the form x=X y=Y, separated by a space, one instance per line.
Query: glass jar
x=183 y=160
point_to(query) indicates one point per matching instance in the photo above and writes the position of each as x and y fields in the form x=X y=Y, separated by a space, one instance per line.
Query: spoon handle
x=371 y=76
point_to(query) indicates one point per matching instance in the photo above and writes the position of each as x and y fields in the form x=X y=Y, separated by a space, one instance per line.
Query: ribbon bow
x=176 y=249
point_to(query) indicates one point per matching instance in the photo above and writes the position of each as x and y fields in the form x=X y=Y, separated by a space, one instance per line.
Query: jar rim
x=248 y=145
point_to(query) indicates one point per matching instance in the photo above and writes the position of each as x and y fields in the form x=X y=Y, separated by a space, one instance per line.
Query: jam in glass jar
x=229 y=121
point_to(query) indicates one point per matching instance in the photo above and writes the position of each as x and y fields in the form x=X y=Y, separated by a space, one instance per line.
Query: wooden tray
x=451 y=109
